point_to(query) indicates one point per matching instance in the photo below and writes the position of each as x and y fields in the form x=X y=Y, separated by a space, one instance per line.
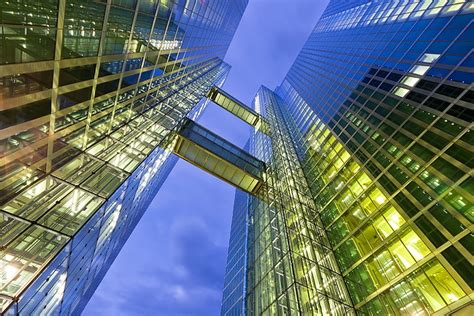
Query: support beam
x=239 y=109
x=217 y=156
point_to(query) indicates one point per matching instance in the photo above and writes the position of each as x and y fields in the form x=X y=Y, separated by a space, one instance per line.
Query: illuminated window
x=383 y=228
x=368 y=205
x=401 y=92
x=419 y=70
x=394 y=218
x=356 y=188
x=402 y=255
x=377 y=196
x=444 y=283
x=429 y=58
x=410 y=81
x=358 y=213
x=423 y=284
x=415 y=245
x=386 y=265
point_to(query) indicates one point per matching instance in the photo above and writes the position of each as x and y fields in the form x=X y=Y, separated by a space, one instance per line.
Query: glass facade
x=360 y=164
x=291 y=267
x=90 y=92
x=233 y=302
x=368 y=206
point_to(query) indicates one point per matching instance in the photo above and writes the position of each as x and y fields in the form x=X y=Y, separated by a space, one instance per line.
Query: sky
x=173 y=264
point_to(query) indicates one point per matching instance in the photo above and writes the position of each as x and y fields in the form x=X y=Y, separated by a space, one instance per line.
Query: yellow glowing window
x=454 y=8
x=389 y=11
x=393 y=149
x=404 y=259
x=329 y=174
x=316 y=145
x=422 y=8
x=356 y=188
x=383 y=228
x=377 y=196
x=440 y=3
x=347 y=197
x=314 y=142
x=331 y=153
x=429 y=292
x=367 y=238
x=319 y=128
x=414 y=167
x=359 y=214
x=394 y=218
x=345 y=156
x=409 y=10
x=457 y=201
x=329 y=144
x=339 y=185
x=406 y=160
x=364 y=180
x=433 y=11
x=415 y=245
x=318 y=132
x=375 y=273
x=444 y=283
x=368 y=205
x=396 y=13
x=36 y=189
x=354 y=167
x=338 y=164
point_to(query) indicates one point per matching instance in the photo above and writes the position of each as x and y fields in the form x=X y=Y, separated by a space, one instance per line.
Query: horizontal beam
x=219 y=157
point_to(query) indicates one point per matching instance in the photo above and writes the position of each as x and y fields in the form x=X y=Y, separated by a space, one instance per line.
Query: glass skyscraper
x=368 y=202
x=356 y=183
x=90 y=94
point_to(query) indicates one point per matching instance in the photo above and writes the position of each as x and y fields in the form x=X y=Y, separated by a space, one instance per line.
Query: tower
x=92 y=94
x=371 y=144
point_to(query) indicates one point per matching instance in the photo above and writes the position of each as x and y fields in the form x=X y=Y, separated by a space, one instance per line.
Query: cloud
x=198 y=253
x=173 y=263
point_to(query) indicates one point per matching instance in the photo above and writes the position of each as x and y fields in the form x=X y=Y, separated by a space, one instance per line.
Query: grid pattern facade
x=89 y=94
x=235 y=281
x=382 y=96
x=291 y=269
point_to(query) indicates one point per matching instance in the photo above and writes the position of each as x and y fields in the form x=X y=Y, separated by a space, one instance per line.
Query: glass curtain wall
x=369 y=181
x=89 y=93
x=382 y=94
x=291 y=268
x=235 y=281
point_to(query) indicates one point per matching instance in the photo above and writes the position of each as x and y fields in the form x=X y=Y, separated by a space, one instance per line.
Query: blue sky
x=173 y=263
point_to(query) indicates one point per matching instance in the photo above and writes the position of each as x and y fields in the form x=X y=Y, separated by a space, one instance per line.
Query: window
x=415 y=245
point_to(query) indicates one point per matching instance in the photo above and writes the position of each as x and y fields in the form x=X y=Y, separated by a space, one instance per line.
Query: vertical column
x=292 y=268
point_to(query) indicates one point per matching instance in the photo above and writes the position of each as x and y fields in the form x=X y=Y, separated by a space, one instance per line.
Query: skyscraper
x=368 y=206
x=91 y=96
x=355 y=186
